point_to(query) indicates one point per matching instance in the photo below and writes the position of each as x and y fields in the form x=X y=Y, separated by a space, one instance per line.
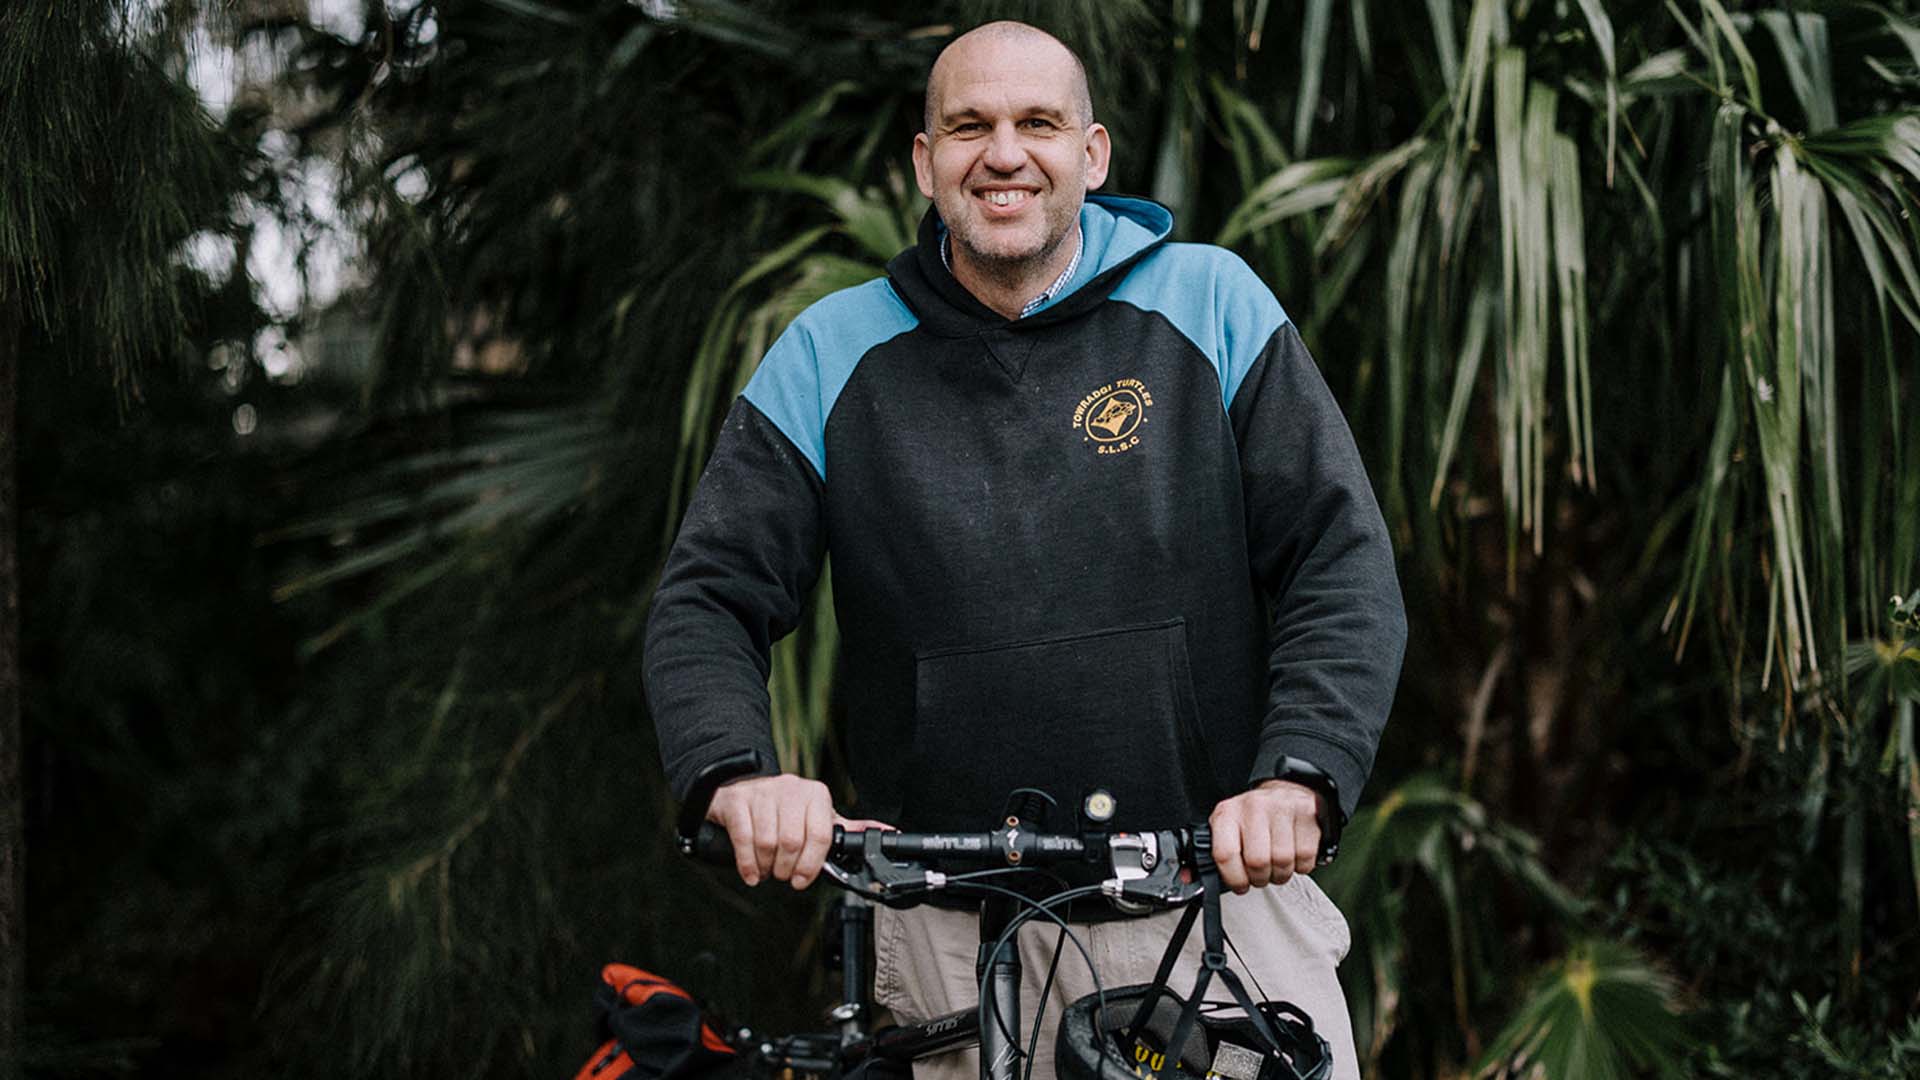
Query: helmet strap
x=1212 y=962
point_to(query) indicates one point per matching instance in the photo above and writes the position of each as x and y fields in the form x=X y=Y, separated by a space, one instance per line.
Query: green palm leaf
x=1602 y=1013
x=1299 y=188
x=1425 y=832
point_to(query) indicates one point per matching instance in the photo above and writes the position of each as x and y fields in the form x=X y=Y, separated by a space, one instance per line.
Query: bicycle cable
x=1244 y=966
x=1004 y=871
x=1033 y=1042
x=970 y=877
x=1039 y=908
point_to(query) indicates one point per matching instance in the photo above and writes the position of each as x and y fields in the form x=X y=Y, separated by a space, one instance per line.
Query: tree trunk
x=13 y=838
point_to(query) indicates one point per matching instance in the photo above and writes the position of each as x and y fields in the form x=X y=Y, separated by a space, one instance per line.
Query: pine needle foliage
x=111 y=164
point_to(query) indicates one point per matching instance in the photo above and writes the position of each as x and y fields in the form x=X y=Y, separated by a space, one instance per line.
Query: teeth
x=1006 y=198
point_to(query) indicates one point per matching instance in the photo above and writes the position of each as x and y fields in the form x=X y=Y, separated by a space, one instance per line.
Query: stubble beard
x=1010 y=269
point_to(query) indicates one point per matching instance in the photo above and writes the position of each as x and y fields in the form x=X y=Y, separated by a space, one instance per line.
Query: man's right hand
x=781 y=826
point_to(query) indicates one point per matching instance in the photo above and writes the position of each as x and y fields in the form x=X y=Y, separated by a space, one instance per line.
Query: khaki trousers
x=1291 y=936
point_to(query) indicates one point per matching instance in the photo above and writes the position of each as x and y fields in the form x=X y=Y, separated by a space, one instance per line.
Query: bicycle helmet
x=1140 y=1028
x=1224 y=1042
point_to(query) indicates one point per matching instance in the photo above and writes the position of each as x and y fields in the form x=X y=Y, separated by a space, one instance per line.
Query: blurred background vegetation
x=356 y=358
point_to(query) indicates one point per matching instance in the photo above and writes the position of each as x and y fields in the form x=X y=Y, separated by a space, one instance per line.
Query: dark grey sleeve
x=736 y=579
x=1322 y=557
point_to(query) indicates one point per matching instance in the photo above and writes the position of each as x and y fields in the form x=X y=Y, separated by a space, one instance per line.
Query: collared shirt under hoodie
x=1035 y=304
x=1124 y=541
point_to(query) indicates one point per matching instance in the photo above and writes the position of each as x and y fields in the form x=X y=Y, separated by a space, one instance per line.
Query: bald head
x=1009 y=153
x=1013 y=45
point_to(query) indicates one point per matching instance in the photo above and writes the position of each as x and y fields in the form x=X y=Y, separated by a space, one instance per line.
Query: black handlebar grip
x=711 y=845
x=705 y=783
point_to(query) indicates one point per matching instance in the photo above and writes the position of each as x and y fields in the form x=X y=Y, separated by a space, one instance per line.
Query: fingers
x=1226 y=848
x=1281 y=865
x=792 y=833
x=818 y=840
x=1257 y=846
x=766 y=831
x=1265 y=836
x=781 y=827
x=1306 y=843
x=734 y=812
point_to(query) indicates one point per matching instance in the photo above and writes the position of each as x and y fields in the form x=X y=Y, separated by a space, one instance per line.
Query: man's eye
x=1035 y=123
x=971 y=127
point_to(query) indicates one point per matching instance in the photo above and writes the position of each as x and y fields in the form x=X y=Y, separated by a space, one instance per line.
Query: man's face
x=1008 y=163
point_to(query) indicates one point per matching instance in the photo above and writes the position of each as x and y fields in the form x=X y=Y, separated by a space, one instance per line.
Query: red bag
x=653 y=1031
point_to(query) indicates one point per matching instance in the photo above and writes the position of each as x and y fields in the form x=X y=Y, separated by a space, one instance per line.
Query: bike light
x=1098 y=807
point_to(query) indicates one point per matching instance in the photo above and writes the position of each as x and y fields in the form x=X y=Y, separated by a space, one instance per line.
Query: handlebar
x=1008 y=847
x=1137 y=871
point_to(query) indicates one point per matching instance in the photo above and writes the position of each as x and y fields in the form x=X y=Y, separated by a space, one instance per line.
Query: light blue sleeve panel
x=802 y=375
x=1214 y=298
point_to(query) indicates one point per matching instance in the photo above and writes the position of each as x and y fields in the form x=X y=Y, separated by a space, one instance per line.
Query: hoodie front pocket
x=1113 y=709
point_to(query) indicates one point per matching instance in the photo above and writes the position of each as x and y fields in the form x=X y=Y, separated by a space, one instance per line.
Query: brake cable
x=1040 y=1012
x=1039 y=908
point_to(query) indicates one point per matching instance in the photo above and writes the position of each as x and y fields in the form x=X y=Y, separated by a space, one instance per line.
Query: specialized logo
x=1111 y=416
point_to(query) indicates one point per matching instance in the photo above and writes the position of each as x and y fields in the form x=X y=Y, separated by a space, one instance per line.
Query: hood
x=1118 y=231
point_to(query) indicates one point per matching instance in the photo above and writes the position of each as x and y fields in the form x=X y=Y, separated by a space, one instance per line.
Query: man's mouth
x=1005 y=199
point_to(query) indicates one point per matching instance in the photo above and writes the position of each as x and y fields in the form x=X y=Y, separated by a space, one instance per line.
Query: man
x=1095 y=520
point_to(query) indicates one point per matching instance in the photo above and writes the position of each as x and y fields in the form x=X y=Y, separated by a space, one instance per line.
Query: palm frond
x=1602 y=1013
x=1299 y=188
x=1313 y=62
x=1425 y=832
x=1601 y=28
x=430 y=511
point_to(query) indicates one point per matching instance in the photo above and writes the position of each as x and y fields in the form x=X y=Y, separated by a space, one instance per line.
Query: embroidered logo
x=1111 y=416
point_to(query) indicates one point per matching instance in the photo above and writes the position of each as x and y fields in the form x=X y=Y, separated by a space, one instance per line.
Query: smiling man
x=1009 y=152
x=1095 y=521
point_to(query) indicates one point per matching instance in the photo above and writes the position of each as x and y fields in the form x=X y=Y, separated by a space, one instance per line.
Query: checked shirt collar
x=1053 y=290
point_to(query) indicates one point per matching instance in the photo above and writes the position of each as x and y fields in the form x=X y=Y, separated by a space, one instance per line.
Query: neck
x=1006 y=287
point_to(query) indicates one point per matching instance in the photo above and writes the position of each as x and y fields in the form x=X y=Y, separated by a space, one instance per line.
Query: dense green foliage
x=338 y=761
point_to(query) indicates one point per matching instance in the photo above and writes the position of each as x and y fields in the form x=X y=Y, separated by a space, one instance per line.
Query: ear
x=1099 y=155
x=923 y=163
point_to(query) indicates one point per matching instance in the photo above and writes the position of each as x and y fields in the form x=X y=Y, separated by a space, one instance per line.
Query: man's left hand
x=1265 y=836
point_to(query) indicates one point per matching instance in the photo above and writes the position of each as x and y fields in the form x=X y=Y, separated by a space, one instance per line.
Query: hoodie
x=1125 y=541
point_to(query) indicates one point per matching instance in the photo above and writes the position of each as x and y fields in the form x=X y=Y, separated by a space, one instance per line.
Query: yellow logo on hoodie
x=1111 y=416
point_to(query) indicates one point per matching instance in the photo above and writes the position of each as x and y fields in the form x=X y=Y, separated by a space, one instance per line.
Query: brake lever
x=1144 y=878
x=875 y=875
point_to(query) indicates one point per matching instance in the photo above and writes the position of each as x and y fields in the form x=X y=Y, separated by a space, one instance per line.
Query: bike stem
x=854 y=1014
x=999 y=1038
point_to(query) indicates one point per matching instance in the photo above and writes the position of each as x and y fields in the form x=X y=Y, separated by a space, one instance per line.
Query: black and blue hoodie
x=1125 y=541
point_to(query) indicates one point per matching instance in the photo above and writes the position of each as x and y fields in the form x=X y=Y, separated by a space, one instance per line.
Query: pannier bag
x=653 y=1030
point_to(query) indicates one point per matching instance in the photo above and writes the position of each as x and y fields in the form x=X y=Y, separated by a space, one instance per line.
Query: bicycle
x=1120 y=1034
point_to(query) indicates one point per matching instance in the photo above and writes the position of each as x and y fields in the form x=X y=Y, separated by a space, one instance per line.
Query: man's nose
x=1004 y=151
